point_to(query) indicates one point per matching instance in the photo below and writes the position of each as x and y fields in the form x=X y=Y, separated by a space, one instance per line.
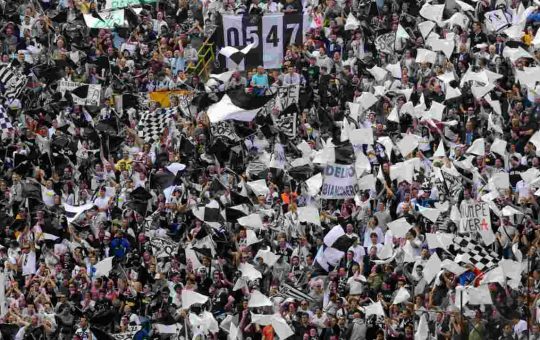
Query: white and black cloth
x=152 y=125
x=5 y=122
x=13 y=81
x=478 y=255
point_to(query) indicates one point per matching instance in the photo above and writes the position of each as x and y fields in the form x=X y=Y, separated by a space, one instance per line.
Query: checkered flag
x=152 y=125
x=5 y=122
x=478 y=255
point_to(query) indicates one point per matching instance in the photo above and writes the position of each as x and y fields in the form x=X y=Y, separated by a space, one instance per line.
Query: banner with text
x=94 y=92
x=474 y=217
x=110 y=19
x=114 y=4
x=339 y=181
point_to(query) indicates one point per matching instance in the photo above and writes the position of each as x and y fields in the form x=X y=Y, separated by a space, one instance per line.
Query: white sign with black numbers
x=271 y=35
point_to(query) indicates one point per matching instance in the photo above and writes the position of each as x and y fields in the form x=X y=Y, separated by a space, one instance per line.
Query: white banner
x=496 y=20
x=475 y=217
x=270 y=35
x=339 y=181
x=110 y=19
x=287 y=95
x=114 y=4
x=94 y=92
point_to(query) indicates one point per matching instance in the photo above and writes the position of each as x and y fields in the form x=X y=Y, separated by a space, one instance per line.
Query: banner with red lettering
x=474 y=217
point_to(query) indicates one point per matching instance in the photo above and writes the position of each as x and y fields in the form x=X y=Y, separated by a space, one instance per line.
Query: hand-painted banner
x=94 y=92
x=474 y=217
x=111 y=19
x=339 y=181
x=115 y=4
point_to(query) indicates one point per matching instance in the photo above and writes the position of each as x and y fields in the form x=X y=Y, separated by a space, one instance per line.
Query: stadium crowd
x=105 y=235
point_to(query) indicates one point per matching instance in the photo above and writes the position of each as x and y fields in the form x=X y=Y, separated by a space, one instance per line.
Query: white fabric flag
x=465 y=6
x=378 y=73
x=495 y=275
x=367 y=182
x=259 y=187
x=190 y=298
x=453 y=267
x=425 y=28
x=361 y=136
x=477 y=147
x=251 y=237
x=268 y=257
x=452 y=92
x=104 y=267
x=375 y=308
x=446 y=46
x=252 y=221
x=407 y=144
x=432 y=12
x=479 y=295
x=401 y=296
x=499 y=147
x=249 y=271
x=314 y=184
x=535 y=140
x=422 y=332
x=429 y=213
x=440 y=152
x=436 y=111
x=226 y=110
x=76 y=210
x=426 y=56
x=399 y=227
x=3 y=301
x=394 y=69
x=352 y=23
x=361 y=164
x=432 y=267
x=309 y=214
x=258 y=299
x=402 y=33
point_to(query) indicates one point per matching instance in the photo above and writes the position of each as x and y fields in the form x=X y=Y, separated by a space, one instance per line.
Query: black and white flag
x=269 y=34
x=224 y=130
x=162 y=247
x=14 y=82
x=469 y=250
x=152 y=125
x=287 y=95
x=385 y=43
x=295 y=293
x=5 y=122
x=335 y=244
x=235 y=54
x=237 y=105
x=287 y=120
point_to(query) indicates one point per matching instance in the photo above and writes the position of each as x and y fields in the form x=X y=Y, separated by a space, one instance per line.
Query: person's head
x=260 y=70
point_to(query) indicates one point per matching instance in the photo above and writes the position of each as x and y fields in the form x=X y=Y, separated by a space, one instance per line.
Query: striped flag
x=14 y=82
x=5 y=122
x=295 y=293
